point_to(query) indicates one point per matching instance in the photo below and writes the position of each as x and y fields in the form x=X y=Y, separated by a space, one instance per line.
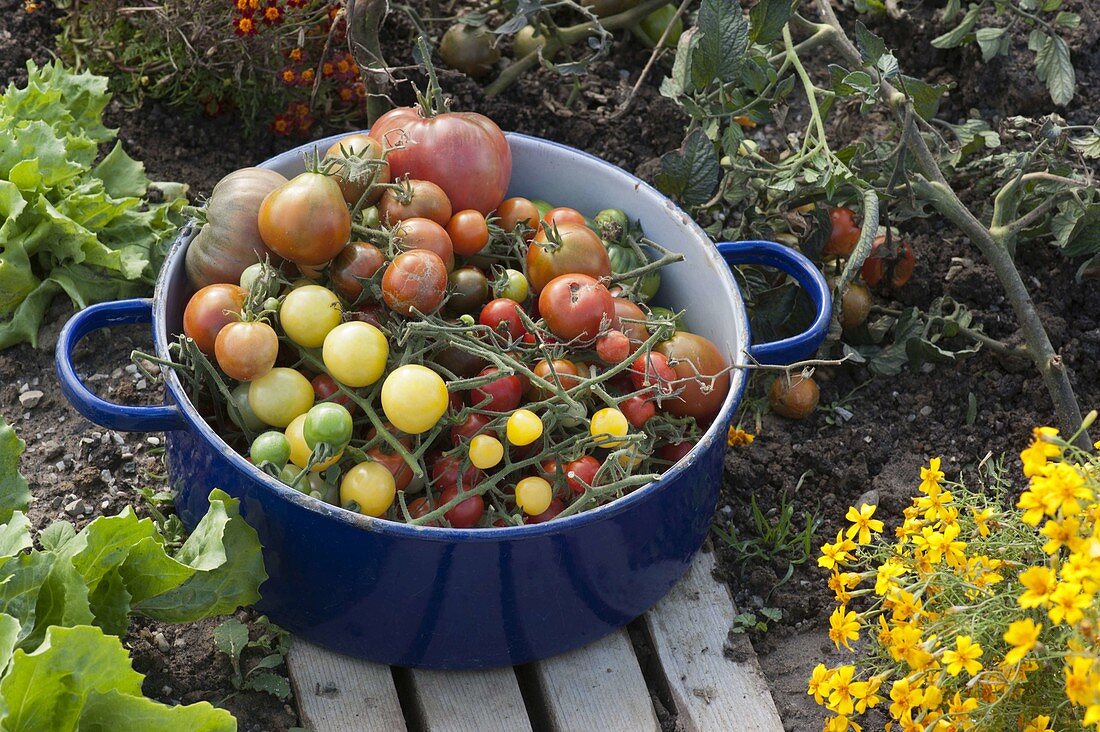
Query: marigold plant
x=977 y=612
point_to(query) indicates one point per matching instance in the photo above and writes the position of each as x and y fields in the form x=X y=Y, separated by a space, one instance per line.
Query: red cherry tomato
x=613 y=347
x=843 y=234
x=474 y=424
x=469 y=232
x=447 y=471
x=502 y=315
x=415 y=198
x=209 y=310
x=652 y=369
x=575 y=306
x=467 y=513
x=421 y=233
x=637 y=410
x=504 y=393
x=900 y=264
x=415 y=280
x=324 y=386
x=514 y=211
x=674 y=452
x=384 y=453
x=582 y=469
x=578 y=250
x=357 y=260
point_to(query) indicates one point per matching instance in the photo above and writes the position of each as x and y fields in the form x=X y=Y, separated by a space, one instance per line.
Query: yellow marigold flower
x=883 y=636
x=933 y=697
x=1083 y=566
x=1038 y=454
x=1022 y=635
x=1032 y=505
x=887 y=572
x=931 y=476
x=903 y=605
x=843 y=627
x=840 y=696
x=1078 y=673
x=963 y=657
x=840 y=583
x=934 y=505
x=910 y=527
x=862 y=523
x=1040 y=583
x=821 y=683
x=1061 y=533
x=959 y=709
x=866 y=694
x=1092 y=715
x=1041 y=723
x=836 y=553
x=1068 y=603
x=840 y=724
x=905 y=697
x=737 y=436
x=982 y=570
x=1062 y=488
x=981 y=520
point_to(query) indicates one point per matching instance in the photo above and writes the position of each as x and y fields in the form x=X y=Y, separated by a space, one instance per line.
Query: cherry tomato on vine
x=551 y=512
x=504 y=393
x=469 y=49
x=652 y=369
x=561 y=372
x=607 y=425
x=502 y=315
x=899 y=265
x=329 y=423
x=611 y=222
x=306 y=219
x=246 y=350
x=270 y=447
x=415 y=280
x=627 y=315
x=355 y=353
x=209 y=310
x=581 y=472
x=469 y=232
x=467 y=513
x=533 y=495
x=573 y=249
x=300 y=451
x=486 y=451
x=474 y=424
x=563 y=215
x=279 y=396
x=514 y=286
x=349 y=158
x=367 y=488
x=422 y=233
x=448 y=473
x=324 y=386
x=638 y=410
x=414 y=398
x=674 y=452
x=613 y=347
x=701 y=375
x=469 y=288
x=515 y=211
x=855 y=305
x=459 y=362
x=843 y=234
x=575 y=306
x=385 y=454
x=415 y=199
x=524 y=427
x=795 y=397
x=308 y=313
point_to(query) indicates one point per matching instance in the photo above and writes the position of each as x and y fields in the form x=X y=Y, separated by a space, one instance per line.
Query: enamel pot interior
x=444 y=598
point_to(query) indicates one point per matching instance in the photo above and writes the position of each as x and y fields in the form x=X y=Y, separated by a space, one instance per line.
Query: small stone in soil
x=154 y=441
x=141 y=385
x=117 y=373
x=30 y=399
x=162 y=644
x=78 y=507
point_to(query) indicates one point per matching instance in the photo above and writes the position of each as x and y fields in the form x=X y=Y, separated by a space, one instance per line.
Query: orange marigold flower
x=242 y=5
x=342 y=66
x=245 y=26
x=254 y=4
x=299 y=110
x=327 y=69
x=737 y=436
x=347 y=94
x=288 y=75
x=273 y=14
x=307 y=76
x=282 y=125
x=295 y=54
x=296 y=3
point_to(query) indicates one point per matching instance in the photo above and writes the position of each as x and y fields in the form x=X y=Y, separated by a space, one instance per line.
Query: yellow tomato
x=279 y=396
x=524 y=427
x=414 y=398
x=608 y=424
x=368 y=488
x=355 y=353
x=485 y=451
x=308 y=313
x=533 y=495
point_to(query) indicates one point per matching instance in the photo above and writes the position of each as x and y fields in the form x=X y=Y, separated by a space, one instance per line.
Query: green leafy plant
x=62 y=606
x=232 y=639
x=91 y=230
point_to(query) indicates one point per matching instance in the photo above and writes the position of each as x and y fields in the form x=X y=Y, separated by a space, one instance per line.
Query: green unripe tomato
x=654 y=24
x=611 y=222
x=469 y=49
x=623 y=259
x=526 y=41
x=666 y=314
x=271 y=447
x=543 y=206
x=248 y=419
x=329 y=423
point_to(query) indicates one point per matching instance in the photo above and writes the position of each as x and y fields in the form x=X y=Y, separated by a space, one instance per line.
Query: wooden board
x=689 y=628
x=338 y=693
x=470 y=701
x=597 y=688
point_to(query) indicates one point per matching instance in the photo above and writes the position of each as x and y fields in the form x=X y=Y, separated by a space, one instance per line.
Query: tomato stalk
x=431 y=101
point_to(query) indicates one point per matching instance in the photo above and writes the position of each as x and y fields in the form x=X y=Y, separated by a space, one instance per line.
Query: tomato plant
x=469 y=48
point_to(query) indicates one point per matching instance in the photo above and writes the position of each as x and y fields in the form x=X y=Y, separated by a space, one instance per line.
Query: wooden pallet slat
x=689 y=628
x=470 y=701
x=597 y=688
x=338 y=693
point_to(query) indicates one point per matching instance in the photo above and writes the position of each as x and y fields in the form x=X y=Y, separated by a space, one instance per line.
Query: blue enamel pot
x=446 y=598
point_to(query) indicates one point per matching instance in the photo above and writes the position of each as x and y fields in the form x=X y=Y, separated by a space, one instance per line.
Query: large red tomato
x=575 y=305
x=305 y=219
x=452 y=150
x=694 y=358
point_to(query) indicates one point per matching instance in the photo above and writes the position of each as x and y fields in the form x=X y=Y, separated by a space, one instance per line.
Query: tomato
x=415 y=199
x=638 y=410
x=324 y=387
x=243 y=416
x=469 y=48
x=467 y=513
x=561 y=372
x=516 y=211
x=577 y=250
x=300 y=451
x=279 y=396
x=551 y=512
x=469 y=289
x=526 y=41
x=793 y=397
x=541 y=206
x=581 y=472
x=502 y=315
x=459 y=362
x=270 y=447
x=469 y=232
x=664 y=314
x=415 y=280
x=305 y=219
x=843 y=233
x=328 y=423
x=414 y=398
x=448 y=473
x=610 y=223
x=623 y=260
x=524 y=427
x=503 y=394
x=608 y=424
x=420 y=507
x=613 y=347
x=209 y=310
x=576 y=306
x=695 y=360
x=653 y=26
x=486 y=451
x=246 y=350
x=355 y=262
x=367 y=488
x=355 y=353
x=674 y=452
x=373 y=313
x=628 y=319
x=652 y=369
x=855 y=305
x=464 y=152
x=514 y=286
x=563 y=215
x=384 y=454
x=421 y=233
x=308 y=313
x=370 y=217
x=900 y=264
x=474 y=424
x=229 y=240
x=533 y=495
x=351 y=163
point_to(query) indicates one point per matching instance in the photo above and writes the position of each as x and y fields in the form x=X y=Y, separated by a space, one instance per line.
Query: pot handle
x=110 y=415
x=771 y=254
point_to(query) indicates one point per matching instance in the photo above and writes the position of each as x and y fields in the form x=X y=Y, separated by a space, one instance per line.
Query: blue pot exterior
x=445 y=598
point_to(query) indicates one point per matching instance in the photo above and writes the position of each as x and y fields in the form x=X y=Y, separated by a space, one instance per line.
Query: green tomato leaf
x=871 y=47
x=1071 y=21
x=993 y=42
x=1077 y=230
x=1088 y=146
x=723 y=42
x=766 y=20
x=691 y=173
x=1054 y=66
x=926 y=97
x=960 y=33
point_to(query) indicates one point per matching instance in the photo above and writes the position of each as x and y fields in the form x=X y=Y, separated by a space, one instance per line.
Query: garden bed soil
x=78 y=471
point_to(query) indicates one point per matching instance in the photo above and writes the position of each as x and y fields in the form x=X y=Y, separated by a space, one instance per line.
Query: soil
x=78 y=470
